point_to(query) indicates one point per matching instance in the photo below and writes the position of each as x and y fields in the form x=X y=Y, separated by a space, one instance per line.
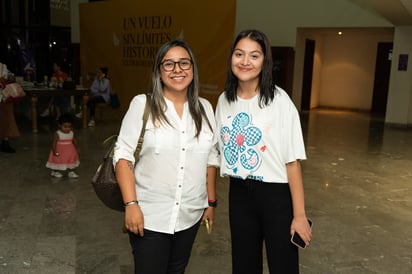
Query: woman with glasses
x=261 y=145
x=171 y=190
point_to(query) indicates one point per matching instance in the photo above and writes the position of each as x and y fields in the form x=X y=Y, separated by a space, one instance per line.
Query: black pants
x=161 y=253
x=91 y=104
x=261 y=213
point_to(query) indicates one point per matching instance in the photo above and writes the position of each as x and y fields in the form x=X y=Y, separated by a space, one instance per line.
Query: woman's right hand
x=134 y=221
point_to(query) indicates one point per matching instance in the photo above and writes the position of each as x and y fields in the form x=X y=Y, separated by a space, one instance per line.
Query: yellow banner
x=125 y=36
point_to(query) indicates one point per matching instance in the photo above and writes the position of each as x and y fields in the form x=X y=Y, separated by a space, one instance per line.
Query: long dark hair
x=159 y=106
x=266 y=82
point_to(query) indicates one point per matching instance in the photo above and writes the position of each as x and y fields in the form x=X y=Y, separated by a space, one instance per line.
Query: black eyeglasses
x=169 y=65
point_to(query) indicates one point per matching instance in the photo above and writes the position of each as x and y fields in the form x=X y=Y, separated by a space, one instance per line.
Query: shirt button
x=177 y=203
x=183 y=149
x=181 y=167
x=180 y=185
x=183 y=131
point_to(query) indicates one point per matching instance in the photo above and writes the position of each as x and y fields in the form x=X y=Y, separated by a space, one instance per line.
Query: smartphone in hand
x=207 y=226
x=297 y=240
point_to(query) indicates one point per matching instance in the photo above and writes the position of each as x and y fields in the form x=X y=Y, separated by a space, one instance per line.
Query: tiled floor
x=358 y=182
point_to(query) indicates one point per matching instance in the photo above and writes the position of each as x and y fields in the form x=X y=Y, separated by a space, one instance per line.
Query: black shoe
x=5 y=147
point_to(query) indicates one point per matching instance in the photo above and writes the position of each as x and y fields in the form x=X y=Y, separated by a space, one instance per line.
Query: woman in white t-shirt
x=171 y=190
x=261 y=145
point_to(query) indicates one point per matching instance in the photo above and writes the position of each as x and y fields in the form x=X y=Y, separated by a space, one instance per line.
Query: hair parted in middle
x=159 y=106
x=266 y=82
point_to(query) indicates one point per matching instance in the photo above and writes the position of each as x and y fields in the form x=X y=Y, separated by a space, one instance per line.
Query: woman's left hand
x=301 y=226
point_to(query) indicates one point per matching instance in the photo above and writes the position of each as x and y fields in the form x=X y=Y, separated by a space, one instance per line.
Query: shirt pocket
x=149 y=140
x=161 y=138
x=204 y=142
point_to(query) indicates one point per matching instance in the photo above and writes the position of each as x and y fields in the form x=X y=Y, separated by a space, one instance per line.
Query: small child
x=64 y=154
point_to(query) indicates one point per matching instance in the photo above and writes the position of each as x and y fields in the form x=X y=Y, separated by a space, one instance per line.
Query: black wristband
x=213 y=203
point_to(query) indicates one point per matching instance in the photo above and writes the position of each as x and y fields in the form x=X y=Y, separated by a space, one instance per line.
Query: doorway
x=307 y=74
x=382 y=75
x=282 y=71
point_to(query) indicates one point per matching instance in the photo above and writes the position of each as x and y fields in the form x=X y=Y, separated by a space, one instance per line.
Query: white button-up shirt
x=171 y=171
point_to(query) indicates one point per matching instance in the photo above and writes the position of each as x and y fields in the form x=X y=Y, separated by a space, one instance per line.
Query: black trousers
x=161 y=253
x=91 y=104
x=261 y=213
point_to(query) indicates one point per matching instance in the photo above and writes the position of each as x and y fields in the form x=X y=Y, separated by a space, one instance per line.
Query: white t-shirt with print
x=257 y=143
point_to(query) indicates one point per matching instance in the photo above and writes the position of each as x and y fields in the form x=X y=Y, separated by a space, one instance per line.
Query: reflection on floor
x=358 y=179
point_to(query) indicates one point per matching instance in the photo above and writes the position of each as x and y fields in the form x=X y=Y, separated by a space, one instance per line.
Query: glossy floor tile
x=358 y=187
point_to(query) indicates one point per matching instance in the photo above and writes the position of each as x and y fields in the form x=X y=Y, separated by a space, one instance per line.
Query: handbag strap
x=111 y=140
x=145 y=118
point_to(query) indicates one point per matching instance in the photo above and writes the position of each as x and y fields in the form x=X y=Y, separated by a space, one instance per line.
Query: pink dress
x=68 y=158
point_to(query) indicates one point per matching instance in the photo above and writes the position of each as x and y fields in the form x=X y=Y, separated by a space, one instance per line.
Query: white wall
x=279 y=19
x=399 y=108
x=344 y=66
x=348 y=69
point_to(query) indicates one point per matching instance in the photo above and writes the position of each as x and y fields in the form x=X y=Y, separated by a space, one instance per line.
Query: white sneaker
x=72 y=174
x=45 y=113
x=79 y=115
x=91 y=123
x=56 y=174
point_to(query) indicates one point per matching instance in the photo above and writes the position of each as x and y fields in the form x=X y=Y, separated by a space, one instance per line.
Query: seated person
x=100 y=91
x=62 y=102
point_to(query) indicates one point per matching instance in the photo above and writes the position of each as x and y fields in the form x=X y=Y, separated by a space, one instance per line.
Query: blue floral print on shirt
x=238 y=143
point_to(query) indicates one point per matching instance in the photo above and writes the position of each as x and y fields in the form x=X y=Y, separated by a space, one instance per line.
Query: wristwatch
x=213 y=203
